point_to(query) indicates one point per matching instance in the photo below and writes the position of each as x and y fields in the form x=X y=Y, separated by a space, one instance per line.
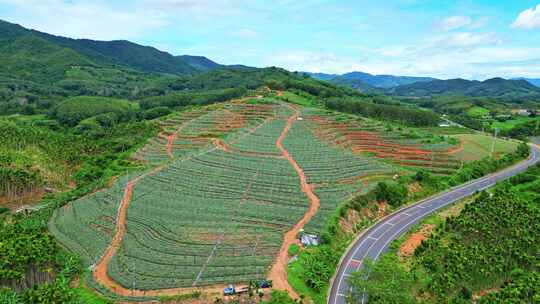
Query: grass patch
x=300 y=100
x=294 y=276
x=510 y=124
x=478 y=146
x=477 y=112
x=89 y=296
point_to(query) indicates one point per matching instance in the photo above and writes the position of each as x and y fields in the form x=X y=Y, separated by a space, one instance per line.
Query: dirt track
x=170 y=143
x=278 y=272
x=100 y=270
x=221 y=145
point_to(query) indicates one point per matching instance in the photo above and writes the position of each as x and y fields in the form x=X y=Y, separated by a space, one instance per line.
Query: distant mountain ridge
x=118 y=52
x=533 y=81
x=361 y=80
x=495 y=87
x=200 y=63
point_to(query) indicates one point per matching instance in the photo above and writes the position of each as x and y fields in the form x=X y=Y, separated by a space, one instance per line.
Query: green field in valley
x=478 y=146
x=509 y=124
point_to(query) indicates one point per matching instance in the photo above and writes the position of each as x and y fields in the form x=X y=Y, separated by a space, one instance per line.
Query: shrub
x=75 y=110
x=392 y=193
x=156 y=112
x=293 y=249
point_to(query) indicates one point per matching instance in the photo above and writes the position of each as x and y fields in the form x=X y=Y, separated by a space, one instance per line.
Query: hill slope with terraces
x=227 y=189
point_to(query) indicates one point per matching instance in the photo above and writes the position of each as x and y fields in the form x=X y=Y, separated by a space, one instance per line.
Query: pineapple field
x=228 y=187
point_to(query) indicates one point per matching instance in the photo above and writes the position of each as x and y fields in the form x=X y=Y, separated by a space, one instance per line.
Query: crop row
x=211 y=218
x=335 y=172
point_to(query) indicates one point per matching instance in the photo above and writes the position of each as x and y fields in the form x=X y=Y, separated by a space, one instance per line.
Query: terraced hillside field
x=227 y=189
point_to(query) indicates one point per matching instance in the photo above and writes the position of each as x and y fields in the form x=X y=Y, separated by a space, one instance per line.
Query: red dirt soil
x=278 y=272
x=221 y=145
x=409 y=246
x=170 y=143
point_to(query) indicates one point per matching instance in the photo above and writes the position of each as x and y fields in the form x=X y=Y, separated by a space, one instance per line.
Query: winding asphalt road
x=374 y=241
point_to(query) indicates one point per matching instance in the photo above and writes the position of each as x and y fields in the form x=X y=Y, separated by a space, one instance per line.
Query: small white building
x=521 y=112
x=309 y=240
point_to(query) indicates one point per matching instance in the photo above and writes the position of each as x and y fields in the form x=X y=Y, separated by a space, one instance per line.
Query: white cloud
x=468 y=40
x=245 y=33
x=528 y=19
x=452 y=55
x=479 y=23
x=312 y=62
x=455 y=22
x=197 y=8
x=93 y=20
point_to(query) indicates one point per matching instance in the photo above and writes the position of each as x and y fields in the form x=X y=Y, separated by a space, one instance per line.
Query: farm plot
x=215 y=218
x=86 y=225
x=208 y=216
x=188 y=132
x=334 y=172
x=228 y=187
x=478 y=146
x=364 y=136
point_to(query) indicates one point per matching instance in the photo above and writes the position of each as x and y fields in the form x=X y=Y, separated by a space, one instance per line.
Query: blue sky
x=475 y=39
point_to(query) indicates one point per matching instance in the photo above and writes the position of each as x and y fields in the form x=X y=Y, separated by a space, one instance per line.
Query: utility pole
x=493 y=143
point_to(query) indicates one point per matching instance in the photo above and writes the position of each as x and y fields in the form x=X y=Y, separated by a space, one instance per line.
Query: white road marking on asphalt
x=370 y=237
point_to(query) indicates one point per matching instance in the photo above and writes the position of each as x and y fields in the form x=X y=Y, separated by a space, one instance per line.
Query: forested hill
x=121 y=52
x=496 y=87
x=200 y=63
x=366 y=81
x=534 y=81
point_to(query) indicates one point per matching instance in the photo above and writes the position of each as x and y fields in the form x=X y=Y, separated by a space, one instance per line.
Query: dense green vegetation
x=490 y=246
x=393 y=112
x=76 y=109
x=485 y=113
x=388 y=282
x=143 y=58
x=33 y=153
x=27 y=249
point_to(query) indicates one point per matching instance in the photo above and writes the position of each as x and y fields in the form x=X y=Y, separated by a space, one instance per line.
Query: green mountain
x=200 y=63
x=366 y=81
x=119 y=52
x=510 y=90
x=534 y=81
x=27 y=56
x=383 y=81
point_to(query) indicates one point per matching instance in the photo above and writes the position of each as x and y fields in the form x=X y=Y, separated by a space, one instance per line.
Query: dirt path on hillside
x=100 y=273
x=278 y=272
x=170 y=143
x=221 y=145
x=456 y=149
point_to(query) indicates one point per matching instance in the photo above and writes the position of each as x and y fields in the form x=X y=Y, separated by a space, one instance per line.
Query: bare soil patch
x=409 y=246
